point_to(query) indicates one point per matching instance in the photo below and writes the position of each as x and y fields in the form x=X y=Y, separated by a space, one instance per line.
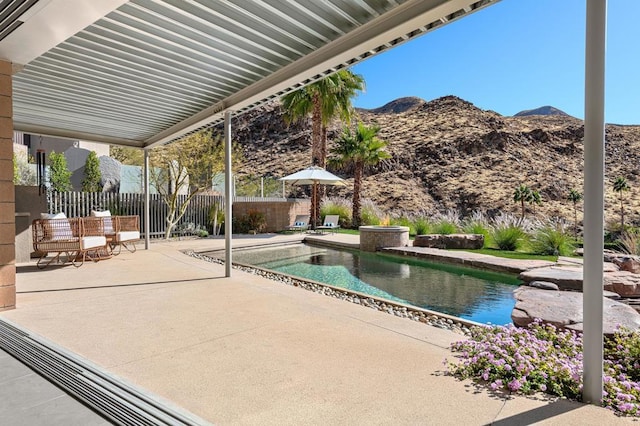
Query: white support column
x=228 y=194
x=147 y=215
x=594 y=198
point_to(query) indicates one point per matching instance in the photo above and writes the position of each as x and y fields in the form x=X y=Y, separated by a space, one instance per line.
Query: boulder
x=626 y=284
x=451 y=241
x=565 y=277
x=544 y=285
x=564 y=310
x=628 y=263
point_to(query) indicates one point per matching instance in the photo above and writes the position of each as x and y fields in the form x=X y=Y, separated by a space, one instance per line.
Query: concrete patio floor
x=247 y=350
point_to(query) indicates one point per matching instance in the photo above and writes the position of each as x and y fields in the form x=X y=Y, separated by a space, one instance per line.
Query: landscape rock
x=565 y=277
x=544 y=285
x=626 y=284
x=564 y=309
x=628 y=263
x=451 y=241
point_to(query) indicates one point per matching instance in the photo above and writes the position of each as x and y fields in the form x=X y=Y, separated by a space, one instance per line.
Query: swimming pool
x=481 y=296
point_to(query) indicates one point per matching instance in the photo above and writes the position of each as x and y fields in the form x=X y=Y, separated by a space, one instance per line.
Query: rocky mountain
x=543 y=110
x=397 y=106
x=449 y=154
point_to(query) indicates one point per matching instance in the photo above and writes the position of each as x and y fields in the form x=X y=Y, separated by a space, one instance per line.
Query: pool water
x=481 y=296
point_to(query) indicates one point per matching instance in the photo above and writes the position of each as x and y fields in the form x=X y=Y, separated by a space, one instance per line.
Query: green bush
x=404 y=221
x=553 y=240
x=370 y=213
x=336 y=205
x=444 y=227
x=253 y=220
x=478 y=223
x=508 y=237
x=479 y=228
x=422 y=226
x=59 y=174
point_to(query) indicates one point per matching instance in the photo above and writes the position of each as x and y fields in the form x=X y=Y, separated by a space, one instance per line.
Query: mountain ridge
x=543 y=110
x=449 y=154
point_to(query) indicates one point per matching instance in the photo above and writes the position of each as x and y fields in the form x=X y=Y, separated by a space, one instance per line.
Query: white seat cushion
x=93 y=242
x=127 y=236
x=106 y=221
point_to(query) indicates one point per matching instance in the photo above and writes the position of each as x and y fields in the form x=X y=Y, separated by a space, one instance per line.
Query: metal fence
x=78 y=204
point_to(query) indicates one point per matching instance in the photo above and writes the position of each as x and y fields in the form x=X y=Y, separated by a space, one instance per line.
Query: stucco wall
x=279 y=214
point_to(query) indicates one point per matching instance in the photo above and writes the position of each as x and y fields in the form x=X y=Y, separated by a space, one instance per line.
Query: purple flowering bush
x=541 y=358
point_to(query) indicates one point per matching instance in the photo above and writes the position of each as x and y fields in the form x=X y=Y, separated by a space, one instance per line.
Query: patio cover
x=145 y=72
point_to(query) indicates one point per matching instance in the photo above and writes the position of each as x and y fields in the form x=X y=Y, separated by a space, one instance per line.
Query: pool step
x=119 y=402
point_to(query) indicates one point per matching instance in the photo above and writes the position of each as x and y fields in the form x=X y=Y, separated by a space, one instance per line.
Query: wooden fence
x=77 y=204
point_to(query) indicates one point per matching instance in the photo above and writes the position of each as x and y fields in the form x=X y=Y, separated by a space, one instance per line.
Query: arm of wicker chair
x=127 y=232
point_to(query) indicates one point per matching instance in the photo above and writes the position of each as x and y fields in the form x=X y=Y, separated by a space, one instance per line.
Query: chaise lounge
x=330 y=223
x=300 y=224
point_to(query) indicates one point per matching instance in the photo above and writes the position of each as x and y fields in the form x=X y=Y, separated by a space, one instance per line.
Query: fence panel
x=78 y=204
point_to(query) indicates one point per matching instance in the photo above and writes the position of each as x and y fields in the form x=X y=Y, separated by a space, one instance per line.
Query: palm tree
x=620 y=186
x=522 y=195
x=575 y=197
x=323 y=100
x=535 y=199
x=360 y=148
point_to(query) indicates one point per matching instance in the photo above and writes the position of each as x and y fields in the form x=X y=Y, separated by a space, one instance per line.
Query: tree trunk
x=575 y=222
x=522 y=204
x=323 y=159
x=316 y=131
x=357 y=183
x=621 y=215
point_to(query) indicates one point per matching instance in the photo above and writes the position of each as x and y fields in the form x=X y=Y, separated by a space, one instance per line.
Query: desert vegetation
x=541 y=358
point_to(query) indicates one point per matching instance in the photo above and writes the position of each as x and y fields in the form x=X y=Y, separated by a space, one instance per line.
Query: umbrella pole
x=314 y=200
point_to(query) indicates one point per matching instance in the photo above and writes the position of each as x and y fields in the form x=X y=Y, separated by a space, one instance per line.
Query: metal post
x=283 y=192
x=594 y=199
x=147 y=215
x=261 y=187
x=228 y=194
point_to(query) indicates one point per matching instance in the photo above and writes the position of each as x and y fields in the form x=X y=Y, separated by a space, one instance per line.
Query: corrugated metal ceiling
x=139 y=75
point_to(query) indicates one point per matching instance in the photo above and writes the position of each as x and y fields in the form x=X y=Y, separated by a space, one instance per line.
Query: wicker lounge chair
x=121 y=231
x=75 y=238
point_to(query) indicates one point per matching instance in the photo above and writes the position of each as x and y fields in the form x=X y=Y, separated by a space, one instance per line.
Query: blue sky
x=514 y=55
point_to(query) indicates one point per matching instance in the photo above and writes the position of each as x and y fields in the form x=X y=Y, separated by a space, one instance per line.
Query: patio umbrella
x=315 y=176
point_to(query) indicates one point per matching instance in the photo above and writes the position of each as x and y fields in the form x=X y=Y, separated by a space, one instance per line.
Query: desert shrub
x=422 y=225
x=543 y=358
x=509 y=237
x=340 y=206
x=370 y=213
x=478 y=223
x=404 y=221
x=444 y=227
x=552 y=239
x=523 y=360
x=629 y=241
x=508 y=231
x=253 y=220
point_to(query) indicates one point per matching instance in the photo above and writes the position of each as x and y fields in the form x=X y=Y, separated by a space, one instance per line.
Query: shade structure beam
x=594 y=138
x=228 y=195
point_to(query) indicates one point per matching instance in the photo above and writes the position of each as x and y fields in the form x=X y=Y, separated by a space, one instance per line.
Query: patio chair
x=300 y=224
x=330 y=223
